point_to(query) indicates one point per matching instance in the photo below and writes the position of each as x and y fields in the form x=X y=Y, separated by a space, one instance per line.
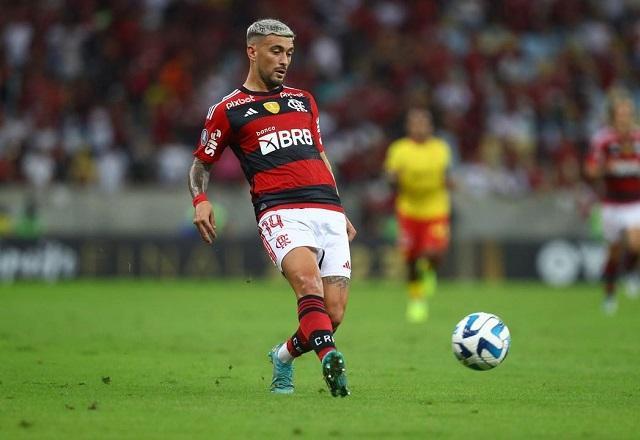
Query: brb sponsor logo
x=240 y=101
x=283 y=139
x=212 y=143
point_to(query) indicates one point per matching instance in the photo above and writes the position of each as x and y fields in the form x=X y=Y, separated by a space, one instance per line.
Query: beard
x=271 y=80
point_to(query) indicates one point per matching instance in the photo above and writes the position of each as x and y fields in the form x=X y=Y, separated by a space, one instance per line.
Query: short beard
x=270 y=83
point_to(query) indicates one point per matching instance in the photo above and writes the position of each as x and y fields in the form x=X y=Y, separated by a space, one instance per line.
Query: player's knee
x=306 y=284
x=633 y=239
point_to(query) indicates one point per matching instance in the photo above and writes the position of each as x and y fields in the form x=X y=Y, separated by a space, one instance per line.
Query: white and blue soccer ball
x=481 y=341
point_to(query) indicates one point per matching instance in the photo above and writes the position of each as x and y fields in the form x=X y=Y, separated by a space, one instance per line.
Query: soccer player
x=274 y=132
x=614 y=161
x=417 y=167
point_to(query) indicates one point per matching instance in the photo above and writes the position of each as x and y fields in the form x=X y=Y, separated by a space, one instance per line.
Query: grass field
x=187 y=359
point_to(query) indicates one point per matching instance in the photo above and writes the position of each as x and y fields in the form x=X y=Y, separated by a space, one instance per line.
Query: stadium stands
x=111 y=93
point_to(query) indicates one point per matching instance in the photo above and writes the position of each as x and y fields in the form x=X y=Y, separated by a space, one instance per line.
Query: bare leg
x=336 y=295
x=300 y=268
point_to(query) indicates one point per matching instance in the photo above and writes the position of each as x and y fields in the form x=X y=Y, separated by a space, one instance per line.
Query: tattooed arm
x=203 y=217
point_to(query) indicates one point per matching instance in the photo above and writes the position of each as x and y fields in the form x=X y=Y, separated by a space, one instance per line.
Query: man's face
x=419 y=124
x=623 y=112
x=272 y=56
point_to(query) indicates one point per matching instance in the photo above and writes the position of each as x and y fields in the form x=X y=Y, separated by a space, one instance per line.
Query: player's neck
x=256 y=84
x=623 y=128
x=419 y=139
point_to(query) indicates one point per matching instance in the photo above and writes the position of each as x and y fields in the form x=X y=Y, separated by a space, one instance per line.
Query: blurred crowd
x=114 y=92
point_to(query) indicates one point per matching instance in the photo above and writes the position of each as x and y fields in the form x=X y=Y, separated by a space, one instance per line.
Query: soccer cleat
x=610 y=306
x=282 y=379
x=333 y=370
x=417 y=311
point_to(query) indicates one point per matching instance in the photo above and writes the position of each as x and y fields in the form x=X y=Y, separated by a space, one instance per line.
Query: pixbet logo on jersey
x=240 y=101
x=283 y=139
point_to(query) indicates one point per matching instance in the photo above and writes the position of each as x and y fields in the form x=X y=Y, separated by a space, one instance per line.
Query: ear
x=251 y=52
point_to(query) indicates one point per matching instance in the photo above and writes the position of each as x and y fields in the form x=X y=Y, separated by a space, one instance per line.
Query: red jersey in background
x=619 y=156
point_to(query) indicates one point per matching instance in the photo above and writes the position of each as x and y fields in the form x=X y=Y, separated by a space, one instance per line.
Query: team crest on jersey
x=204 y=136
x=297 y=105
x=272 y=107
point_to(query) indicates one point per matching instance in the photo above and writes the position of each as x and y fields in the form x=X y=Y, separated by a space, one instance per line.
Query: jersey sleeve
x=215 y=135
x=392 y=159
x=315 y=129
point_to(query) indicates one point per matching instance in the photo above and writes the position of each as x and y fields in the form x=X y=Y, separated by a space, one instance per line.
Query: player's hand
x=351 y=231
x=205 y=221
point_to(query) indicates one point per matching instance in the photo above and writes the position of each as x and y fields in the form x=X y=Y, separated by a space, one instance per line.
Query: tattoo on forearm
x=342 y=282
x=198 y=177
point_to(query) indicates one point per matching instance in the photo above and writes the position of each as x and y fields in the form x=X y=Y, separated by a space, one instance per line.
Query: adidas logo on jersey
x=283 y=139
x=250 y=112
x=347 y=265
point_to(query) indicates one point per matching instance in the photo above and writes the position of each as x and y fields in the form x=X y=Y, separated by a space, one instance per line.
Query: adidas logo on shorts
x=347 y=265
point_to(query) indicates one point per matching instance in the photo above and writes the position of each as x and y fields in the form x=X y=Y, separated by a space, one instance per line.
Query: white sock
x=284 y=355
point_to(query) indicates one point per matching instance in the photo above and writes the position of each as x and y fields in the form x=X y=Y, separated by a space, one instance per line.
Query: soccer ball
x=481 y=341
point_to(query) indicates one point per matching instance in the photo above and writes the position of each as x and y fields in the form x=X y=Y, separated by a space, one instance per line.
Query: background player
x=274 y=132
x=417 y=165
x=613 y=162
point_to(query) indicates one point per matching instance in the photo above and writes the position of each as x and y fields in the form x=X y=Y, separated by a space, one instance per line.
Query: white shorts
x=617 y=218
x=282 y=230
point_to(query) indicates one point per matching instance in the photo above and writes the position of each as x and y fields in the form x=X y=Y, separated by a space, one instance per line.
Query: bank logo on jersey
x=272 y=107
x=283 y=139
x=297 y=105
x=212 y=144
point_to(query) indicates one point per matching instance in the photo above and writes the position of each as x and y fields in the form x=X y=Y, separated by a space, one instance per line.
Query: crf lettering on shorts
x=327 y=338
x=272 y=222
x=284 y=138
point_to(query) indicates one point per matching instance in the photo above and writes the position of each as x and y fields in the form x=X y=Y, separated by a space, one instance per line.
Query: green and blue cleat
x=282 y=379
x=333 y=370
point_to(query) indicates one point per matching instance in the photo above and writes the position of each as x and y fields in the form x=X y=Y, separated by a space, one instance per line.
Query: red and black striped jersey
x=619 y=156
x=276 y=137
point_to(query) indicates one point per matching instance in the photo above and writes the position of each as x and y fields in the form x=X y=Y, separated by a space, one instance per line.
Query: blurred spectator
x=111 y=170
x=173 y=163
x=5 y=221
x=103 y=92
x=28 y=224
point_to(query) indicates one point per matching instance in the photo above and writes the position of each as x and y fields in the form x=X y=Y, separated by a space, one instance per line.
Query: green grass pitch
x=187 y=359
